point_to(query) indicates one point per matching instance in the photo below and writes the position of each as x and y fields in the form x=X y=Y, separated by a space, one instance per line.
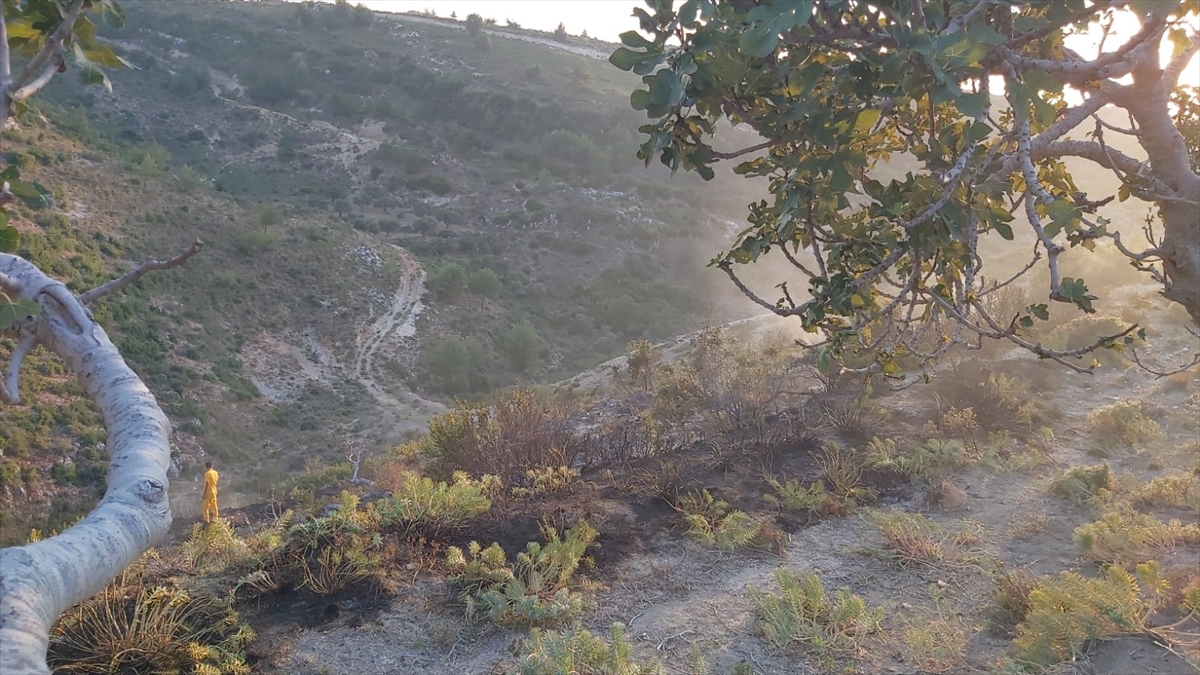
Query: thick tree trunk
x=41 y=580
x=1170 y=163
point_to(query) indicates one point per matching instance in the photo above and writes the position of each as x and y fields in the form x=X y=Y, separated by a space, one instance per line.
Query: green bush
x=1084 y=483
x=1123 y=422
x=804 y=617
x=536 y=589
x=140 y=629
x=1068 y=612
x=431 y=508
x=578 y=652
x=10 y=474
x=327 y=554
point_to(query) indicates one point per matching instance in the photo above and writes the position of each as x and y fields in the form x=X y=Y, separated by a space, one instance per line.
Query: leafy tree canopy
x=975 y=98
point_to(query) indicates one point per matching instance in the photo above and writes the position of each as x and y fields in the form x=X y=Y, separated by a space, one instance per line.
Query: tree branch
x=45 y=63
x=42 y=579
x=121 y=282
x=744 y=151
x=1176 y=65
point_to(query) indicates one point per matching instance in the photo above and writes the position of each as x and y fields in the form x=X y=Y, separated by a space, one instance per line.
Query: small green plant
x=842 y=469
x=578 y=652
x=911 y=538
x=433 y=508
x=327 y=554
x=711 y=521
x=930 y=462
x=1082 y=484
x=547 y=480
x=1180 y=490
x=1123 y=423
x=1069 y=611
x=536 y=589
x=130 y=628
x=214 y=545
x=1127 y=538
x=805 y=617
x=1010 y=597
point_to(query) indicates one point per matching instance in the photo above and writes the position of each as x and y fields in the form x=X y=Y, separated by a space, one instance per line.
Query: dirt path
x=385 y=333
x=283 y=364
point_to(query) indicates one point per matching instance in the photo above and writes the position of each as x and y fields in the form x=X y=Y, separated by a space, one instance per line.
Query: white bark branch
x=41 y=580
x=121 y=282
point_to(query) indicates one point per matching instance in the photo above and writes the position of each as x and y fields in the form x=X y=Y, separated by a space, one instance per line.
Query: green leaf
x=10 y=172
x=972 y=105
x=1076 y=291
x=757 y=42
x=13 y=312
x=91 y=74
x=867 y=117
x=627 y=59
x=1041 y=311
x=34 y=195
x=634 y=39
x=639 y=99
x=10 y=238
x=1004 y=229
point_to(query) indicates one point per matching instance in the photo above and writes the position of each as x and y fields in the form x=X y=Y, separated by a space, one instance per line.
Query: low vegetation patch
x=1127 y=538
x=1123 y=423
x=578 y=651
x=132 y=628
x=1082 y=484
x=1068 y=612
x=434 y=507
x=804 y=617
x=1179 y=490
x=537 y=589
x=712 y=521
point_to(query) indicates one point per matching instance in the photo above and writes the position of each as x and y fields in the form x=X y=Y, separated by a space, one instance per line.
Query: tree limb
x=1177 y=63
x=45 y=63
x=39 y=581
x=121 y=282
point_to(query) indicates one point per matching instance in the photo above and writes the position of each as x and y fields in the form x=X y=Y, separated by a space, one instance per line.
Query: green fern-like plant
x=805 y=617
x=711 y=521
x=214 y=546
x=433 y=508
x=1126 y=537
x=579 y=652
x=547 y=480
x=327 y=554
x=130 y=628
x=1068 y=612
x=1082 y=484
x=537 y=589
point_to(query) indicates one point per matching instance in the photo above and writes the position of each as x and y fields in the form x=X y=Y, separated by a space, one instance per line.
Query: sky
x=606 y=19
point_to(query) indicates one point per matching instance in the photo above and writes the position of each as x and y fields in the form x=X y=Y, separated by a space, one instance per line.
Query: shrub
x=930 y=462
x=578 y=652
x=1123 y=422
x=129 y=628
x=911 y=537
x=1084 y=483
x=710 y=520
x=519 y=430
x=215 y=545
x=432 y=508
x=1068 y=612
x=535 y=590
x=1010 y=597
x=812 y=499
x=448 y=281
x=327 y=554
x=10 y=474
x=1084 y=330
x=804 y=617
x=1180 y=490
x=250 y=243
x=545 y=481
x=1130 y=538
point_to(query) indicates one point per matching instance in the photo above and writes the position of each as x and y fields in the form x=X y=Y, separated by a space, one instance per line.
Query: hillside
x=336 y=168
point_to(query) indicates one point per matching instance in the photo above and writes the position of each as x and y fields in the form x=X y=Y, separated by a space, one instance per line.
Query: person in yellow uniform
x=210 y=492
